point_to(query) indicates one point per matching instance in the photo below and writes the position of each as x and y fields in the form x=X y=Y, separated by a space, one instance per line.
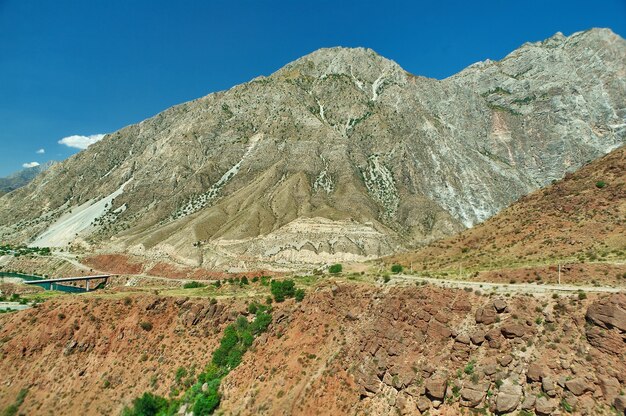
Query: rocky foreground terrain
x=340 y=155
x=348 y=348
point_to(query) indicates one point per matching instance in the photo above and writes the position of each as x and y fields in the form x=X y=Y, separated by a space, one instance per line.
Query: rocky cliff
x=339 y=155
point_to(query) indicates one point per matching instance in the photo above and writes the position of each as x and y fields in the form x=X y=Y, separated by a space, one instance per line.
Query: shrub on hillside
x=193 y=285
x=335 y=268
x=282 y=289
x=396 y=268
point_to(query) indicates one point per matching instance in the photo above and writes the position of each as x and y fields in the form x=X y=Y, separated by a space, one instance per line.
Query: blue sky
x=82 y=68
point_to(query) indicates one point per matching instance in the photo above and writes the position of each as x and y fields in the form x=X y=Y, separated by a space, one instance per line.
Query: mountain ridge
x=411 y=158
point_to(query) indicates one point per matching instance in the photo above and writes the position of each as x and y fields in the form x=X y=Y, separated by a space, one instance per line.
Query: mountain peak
x=362 y=63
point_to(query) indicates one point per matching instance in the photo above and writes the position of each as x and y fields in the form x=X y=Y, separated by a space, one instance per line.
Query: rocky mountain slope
x=22 y=178
x=579 y=219
x=339 y=155
x=347 y=349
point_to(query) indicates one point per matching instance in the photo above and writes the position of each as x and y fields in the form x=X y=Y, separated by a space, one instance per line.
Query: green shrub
x=335 y=268
x=193 y=285
x=146 y=325
x=147 y=405
x=469 y=368
x=282 y=289
x=299 y=295
x=252 y=308
x=600 y=184
x=396 y=268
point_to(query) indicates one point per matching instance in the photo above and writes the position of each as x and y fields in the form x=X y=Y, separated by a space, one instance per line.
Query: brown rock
x=529 y=402
x=545 y=406
x=423 y=404
x=490 y=369
x=610 y=387
x=463 y=339
x=535 y=372
x=512 y=330
x=462 y=305
x=500 y=305
x=437 y=330
x=472 y=394
x=505 y=360
x=485 y=316
x=478 y=337
x=609 y=312
x=508 y=397
x=578 y=386
x=436 y=387
x=547 y=385
x=610 y=341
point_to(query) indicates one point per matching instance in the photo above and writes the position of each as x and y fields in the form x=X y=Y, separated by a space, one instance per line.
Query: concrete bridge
x=86 y=279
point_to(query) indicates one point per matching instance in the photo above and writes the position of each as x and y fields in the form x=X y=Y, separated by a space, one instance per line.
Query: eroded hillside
x=348 y=348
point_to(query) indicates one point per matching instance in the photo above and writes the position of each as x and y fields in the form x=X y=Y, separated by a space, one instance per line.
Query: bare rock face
x=607 y=317
x=337 y=155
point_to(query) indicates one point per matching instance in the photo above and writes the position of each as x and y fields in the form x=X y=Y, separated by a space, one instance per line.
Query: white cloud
x=41 y=151
x=81 y=142
x=30 y=165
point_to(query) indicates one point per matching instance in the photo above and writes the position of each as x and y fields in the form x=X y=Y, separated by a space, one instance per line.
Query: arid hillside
x=579 y=221
x=348 y=348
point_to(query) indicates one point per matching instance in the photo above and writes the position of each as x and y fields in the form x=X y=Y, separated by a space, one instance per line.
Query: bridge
x=86 y=279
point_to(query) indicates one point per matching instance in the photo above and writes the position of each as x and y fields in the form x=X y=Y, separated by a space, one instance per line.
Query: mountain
x=340 y=155
x=22 y=177
x=576 y=220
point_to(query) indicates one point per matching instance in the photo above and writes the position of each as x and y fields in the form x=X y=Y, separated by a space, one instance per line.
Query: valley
x=340 y=237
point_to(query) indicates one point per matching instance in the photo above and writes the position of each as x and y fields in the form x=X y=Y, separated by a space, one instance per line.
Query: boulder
x=423 y=404
x=505 y=360
x=485 y=316
x=472 y=394
x=535 y=372
x=513 y=330
x=436 y=387
x=490 y=369
x=463 y=339
x=547 y=385
x=609 y=312
x=508 y=397
x=477 y=337
x=529 y=402
x=545 y=406
x=578 y=386
x=500 y=305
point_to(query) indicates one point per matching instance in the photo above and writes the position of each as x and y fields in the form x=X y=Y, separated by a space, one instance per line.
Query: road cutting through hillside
x=508 y=287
